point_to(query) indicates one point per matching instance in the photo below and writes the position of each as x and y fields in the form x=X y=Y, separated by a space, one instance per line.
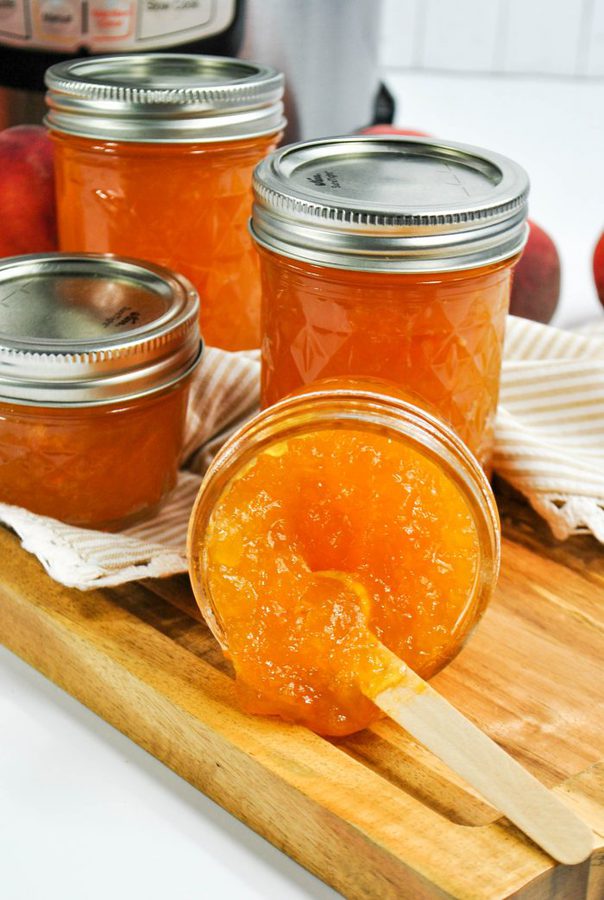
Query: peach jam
x=154 y=156
x=390 y=257
x=342 y=519
x=96 y=356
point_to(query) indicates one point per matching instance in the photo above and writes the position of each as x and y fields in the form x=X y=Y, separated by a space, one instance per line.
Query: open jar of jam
x=154 y=157
x=96 y=357
x=390 y=257
x=344 y=514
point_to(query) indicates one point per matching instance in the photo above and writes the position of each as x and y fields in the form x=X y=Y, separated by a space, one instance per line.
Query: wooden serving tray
x=374 y=815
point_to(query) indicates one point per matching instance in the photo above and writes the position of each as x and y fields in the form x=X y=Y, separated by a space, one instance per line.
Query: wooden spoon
x=426 y=715
x=420 y=710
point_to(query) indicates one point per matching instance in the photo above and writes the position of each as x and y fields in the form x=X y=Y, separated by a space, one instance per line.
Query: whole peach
x=27 y=199
x=392 y=129
x=536 y=284
x=599 y=268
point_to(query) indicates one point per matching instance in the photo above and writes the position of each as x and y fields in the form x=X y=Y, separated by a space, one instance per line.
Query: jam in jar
x=390 y=257
x=154 y=155
x=96 y=357
x=342 y=519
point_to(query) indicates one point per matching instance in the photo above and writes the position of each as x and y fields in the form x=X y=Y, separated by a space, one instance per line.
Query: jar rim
x=373 y=408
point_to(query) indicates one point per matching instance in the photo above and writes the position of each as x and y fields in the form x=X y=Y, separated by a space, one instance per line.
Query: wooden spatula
x=429 y=718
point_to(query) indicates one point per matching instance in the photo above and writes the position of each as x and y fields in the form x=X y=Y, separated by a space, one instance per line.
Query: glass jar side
x=185 y=206
x=439 y=335
x=98 y=466
x=372 y=411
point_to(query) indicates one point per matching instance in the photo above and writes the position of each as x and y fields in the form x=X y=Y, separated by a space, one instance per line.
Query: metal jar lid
x=394 y=204
x=86 y=329
x=164 y=97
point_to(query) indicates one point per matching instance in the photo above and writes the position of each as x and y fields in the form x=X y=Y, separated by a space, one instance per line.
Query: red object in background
x=599 y=268
x=536 y=285
x=27 y=199
x=391 y=129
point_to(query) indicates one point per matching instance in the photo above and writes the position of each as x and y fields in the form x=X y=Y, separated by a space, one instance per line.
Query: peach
x=599 y=268
x=536 y=285
x=392 y=129
x=27 y=201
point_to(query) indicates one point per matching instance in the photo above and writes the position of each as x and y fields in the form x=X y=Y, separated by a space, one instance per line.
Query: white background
x=84 y=813
x=545 y=37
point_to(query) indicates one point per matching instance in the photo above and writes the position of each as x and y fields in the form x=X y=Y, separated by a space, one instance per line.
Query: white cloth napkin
x=549 y=444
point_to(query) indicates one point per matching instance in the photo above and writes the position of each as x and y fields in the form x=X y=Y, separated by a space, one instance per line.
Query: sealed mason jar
x=154 y=156
x=96 y=357
x=344 y=482
x=390 y=257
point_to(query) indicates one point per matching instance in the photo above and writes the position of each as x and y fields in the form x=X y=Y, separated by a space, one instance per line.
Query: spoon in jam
x=425 y=714
x=324 y=562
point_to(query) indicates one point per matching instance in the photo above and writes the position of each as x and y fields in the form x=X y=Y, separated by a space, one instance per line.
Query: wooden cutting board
x=374 y=815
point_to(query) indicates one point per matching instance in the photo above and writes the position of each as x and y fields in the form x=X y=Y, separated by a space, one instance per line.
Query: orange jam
x=185 y=207
x=101 y=467
x=96 y=356
x=439 y=334
x=166 y=174
x=392 y=258
x=340 y=521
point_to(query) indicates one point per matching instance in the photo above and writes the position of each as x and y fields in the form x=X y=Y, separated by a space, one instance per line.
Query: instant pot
x=327 y=49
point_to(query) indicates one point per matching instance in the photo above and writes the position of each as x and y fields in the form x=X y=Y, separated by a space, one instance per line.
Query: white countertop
x=88 y=815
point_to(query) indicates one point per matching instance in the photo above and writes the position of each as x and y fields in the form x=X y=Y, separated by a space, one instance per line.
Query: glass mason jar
x=390 y=257
x=96 y=357
x=423 y=609
x=154 y=157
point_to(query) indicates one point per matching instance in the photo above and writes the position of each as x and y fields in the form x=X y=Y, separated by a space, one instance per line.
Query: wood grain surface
x=375 y=815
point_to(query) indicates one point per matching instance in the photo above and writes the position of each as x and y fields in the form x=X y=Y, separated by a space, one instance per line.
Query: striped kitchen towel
x=549 y=438
x=549 y=444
